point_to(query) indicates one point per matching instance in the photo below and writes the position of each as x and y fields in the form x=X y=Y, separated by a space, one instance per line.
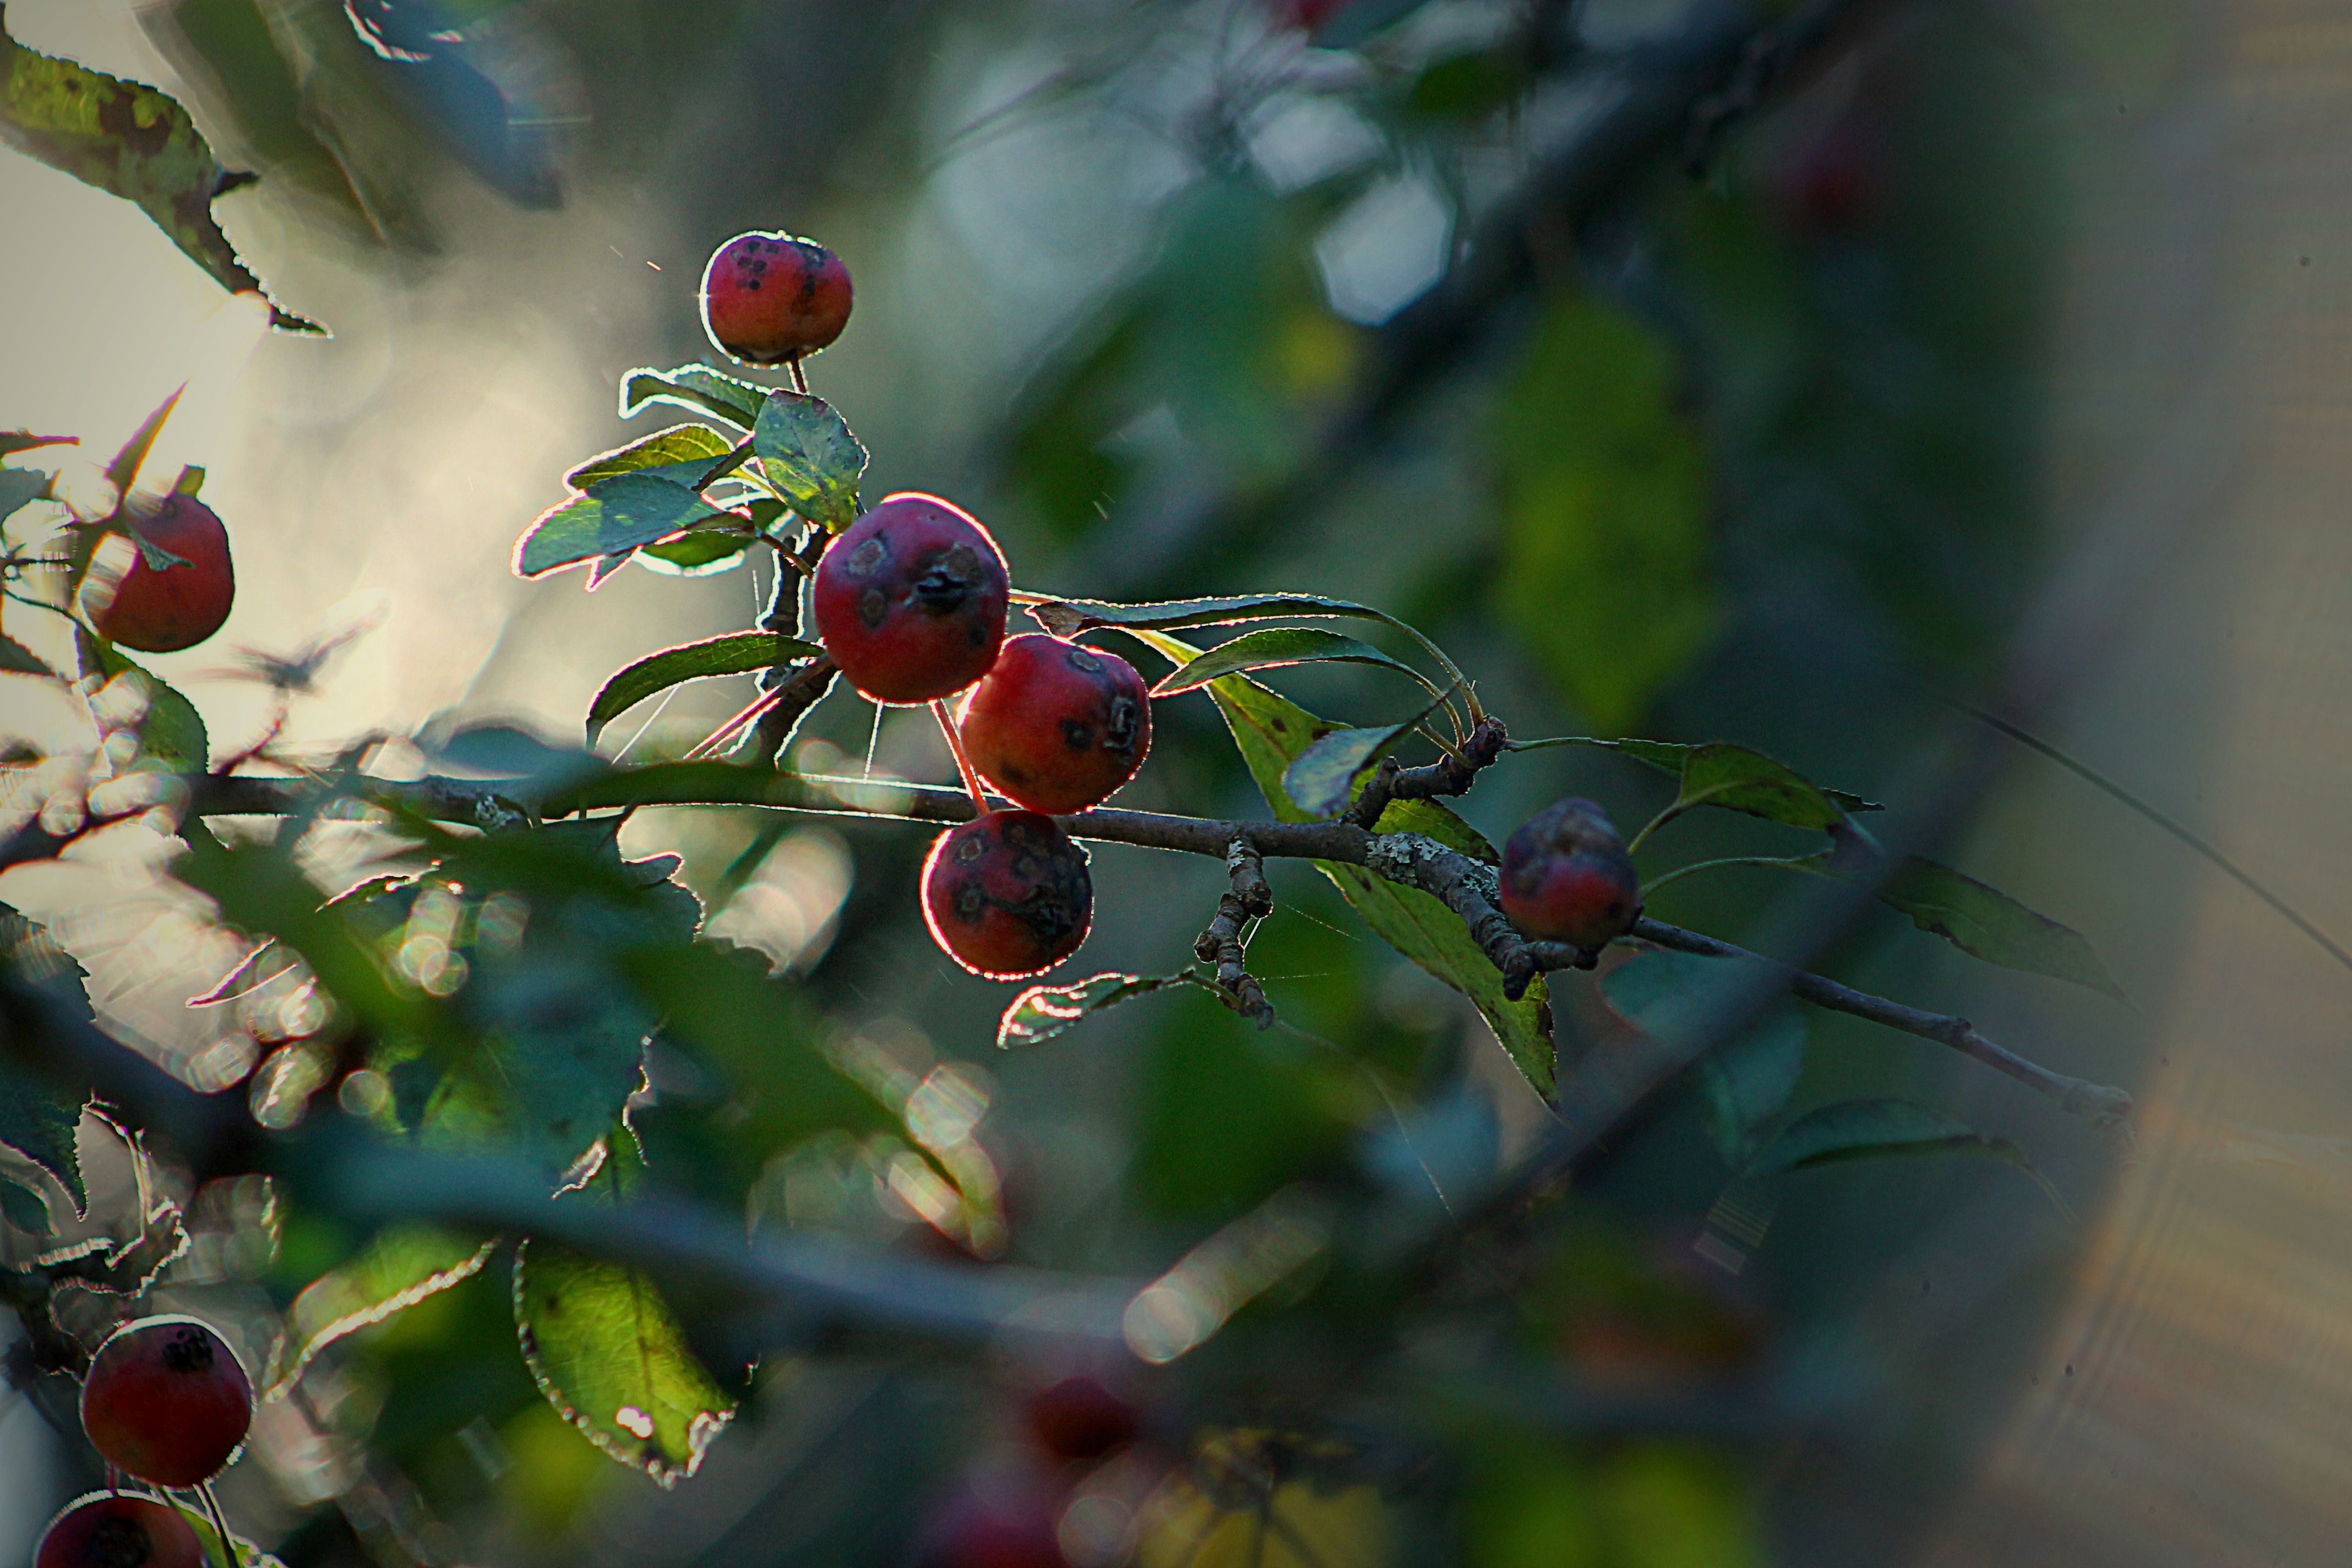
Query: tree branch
x=1465 y=885
x=1249 y=899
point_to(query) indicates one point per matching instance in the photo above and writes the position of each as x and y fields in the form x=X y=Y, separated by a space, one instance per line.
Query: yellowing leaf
x=132 y=142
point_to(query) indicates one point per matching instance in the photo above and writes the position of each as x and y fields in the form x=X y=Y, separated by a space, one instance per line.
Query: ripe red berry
x=1007 y=894
x=769 y=297
x=910 y=599
x=1055 y=726
x=161 y=609
x=119 y=1530
x=166 y=1400
x=1567 y=877
x=1079 y=1419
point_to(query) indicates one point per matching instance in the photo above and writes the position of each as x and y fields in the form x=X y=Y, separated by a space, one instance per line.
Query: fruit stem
x=963 y=763
x=800 y=377
x=220 y=1523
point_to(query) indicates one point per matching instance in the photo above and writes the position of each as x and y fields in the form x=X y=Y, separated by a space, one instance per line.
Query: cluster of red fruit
x=911 y=602
x=166 y=1402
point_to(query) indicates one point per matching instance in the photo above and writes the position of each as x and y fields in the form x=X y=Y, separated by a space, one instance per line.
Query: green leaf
x=703 y=553
x=246 y=1554
x=734 y=653
x=128 y=141
x=695 y=386
x=401 y=1267
x=1042 y=1012
x=1674 y=757
x=679 y=446
x=616 y=516
x=15 y=441
x=1745 y=1081
x=1272 y=732
x=1738 y=778
x=21 y=487
x=1468 y=86
x=1989 y=925
x=605 y=1349
x=23 y=1206
x=1068 y=617
x=173 y=733
x=808 y=454
x=1882 y=1130
x=36 y=1118
x=1323 y=778
x=1271 y=648
x=1607 y=572
x=16 y=658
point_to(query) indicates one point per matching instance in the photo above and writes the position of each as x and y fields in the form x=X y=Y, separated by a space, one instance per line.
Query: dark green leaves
x=694 y=386
x=173 y=733
x=1272 y=732
x=1042 y=1012
x=1322 y=779
x=808 y=454
x=608 y=1353
x=36 y=1118
x=1880 y=1129
x=131 y=142
x=688 y=446
x=1068 y=617
x=735 y=653
x=20 y=487
x=1605 y=502
x=1990 y=924
x=1738 y=778
x=616 y=516
x=15 y=441
x=16 y=658
x=1722 y=763
x=1270 y=648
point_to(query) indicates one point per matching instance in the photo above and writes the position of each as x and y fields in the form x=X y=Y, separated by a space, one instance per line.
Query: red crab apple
x=910 y=599
x=166 y=1400
x=1055 y=726
x=160 y=604
x=770 y=298
x=1007 y=894
x=1567 y=877
x=119 y=1530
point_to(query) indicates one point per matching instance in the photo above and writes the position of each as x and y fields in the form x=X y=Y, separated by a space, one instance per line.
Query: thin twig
x=1452 y=773
x=1249 y=899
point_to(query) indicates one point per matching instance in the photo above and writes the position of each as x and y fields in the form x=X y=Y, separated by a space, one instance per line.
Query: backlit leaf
x=1272 y=732
x=1738 y=778
x=400 y=1267
x=700 y=552
x=807 y=452
x=1270 y=648
x=16 y=658
x=733 y=653
x=616 y=516
x=1674 y=757
x=695 y=386
x=1321 y=780
x=1068 y=617
x=173 y=733
x=680 y=443
x=21 y=487
x=130 y=140
x=15 y=441
x=1607 y=570
x=1042 y=1012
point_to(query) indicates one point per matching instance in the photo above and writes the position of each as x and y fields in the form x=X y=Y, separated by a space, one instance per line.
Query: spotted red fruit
x=162 y=604
x=1080 y=1419
x=910 y=599
x=1055 y=726
x=166 y=1400
x=1007 y=894
x=1567 y=877
x=117 y=1529
x=769 y=298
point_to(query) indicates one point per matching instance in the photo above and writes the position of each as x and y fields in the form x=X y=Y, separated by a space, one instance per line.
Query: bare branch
x=1249 y=899
x=1451 y=774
